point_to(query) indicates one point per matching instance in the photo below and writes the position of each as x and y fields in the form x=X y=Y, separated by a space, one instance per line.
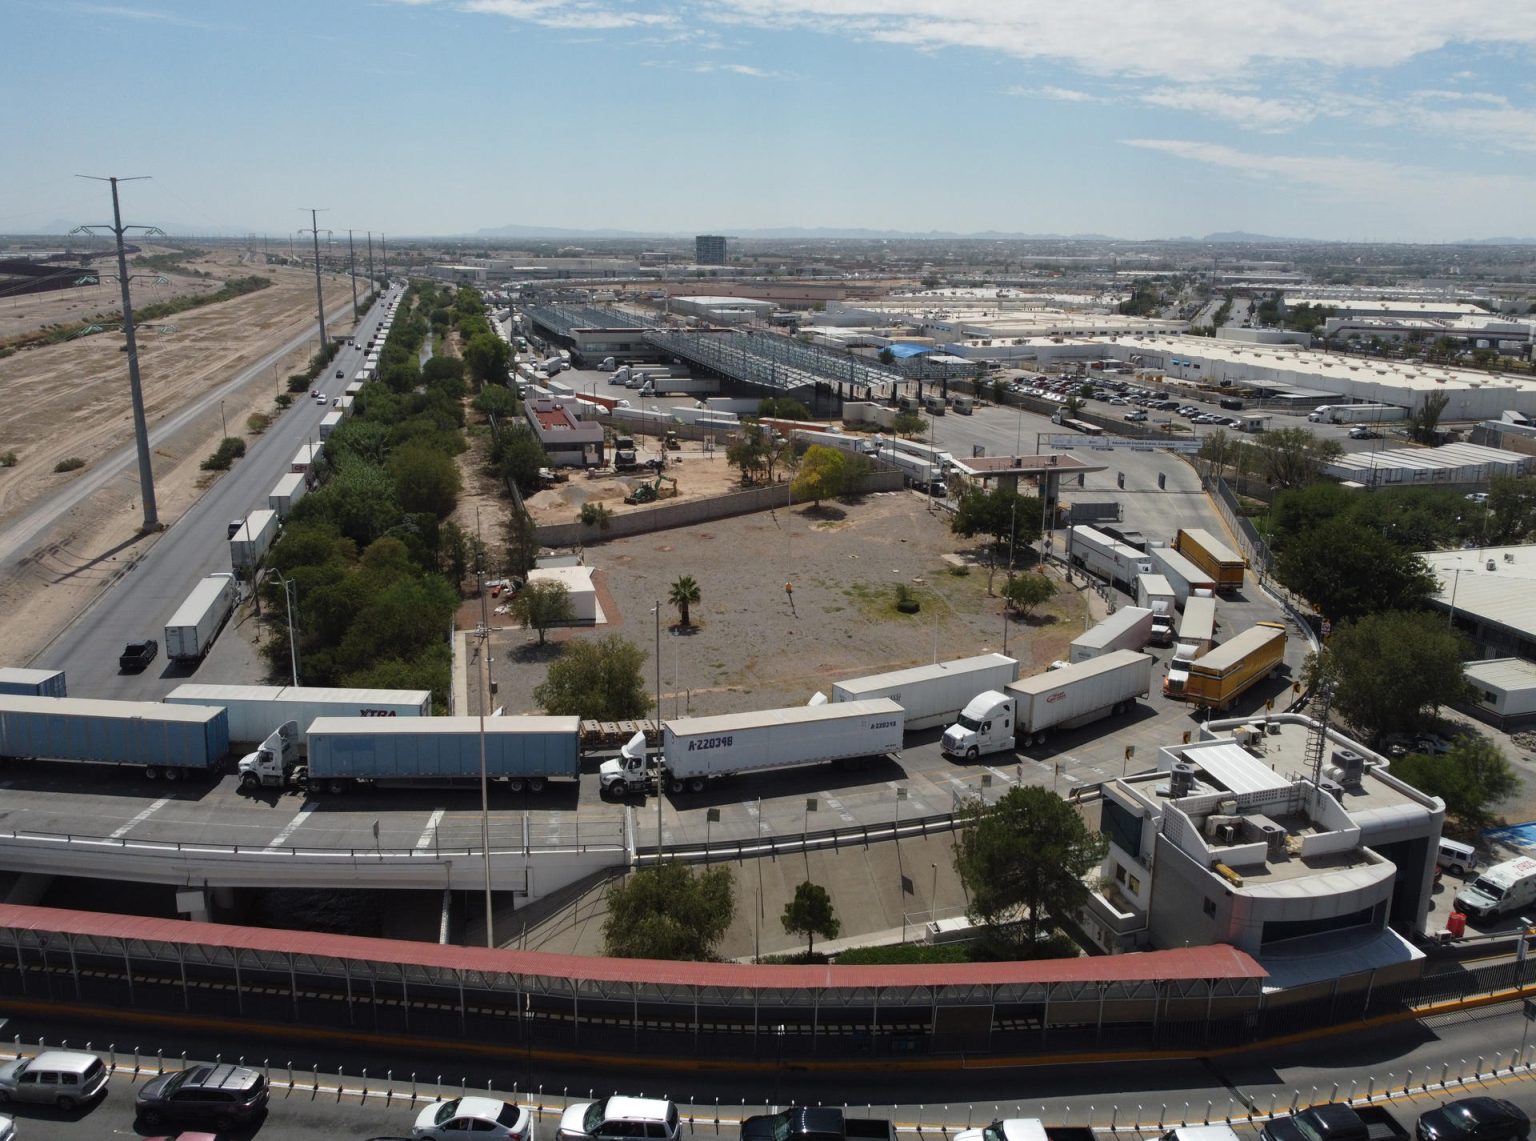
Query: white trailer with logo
x=1110 y=559
x=256 y=710
x=934 y=694
x=697 y=750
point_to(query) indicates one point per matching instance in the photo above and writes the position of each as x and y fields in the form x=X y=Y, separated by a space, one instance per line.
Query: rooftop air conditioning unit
x=1226 y=835
x=1333 y=788
x=1273 y=836
x=1181 y=779
x=1509 y=556
x=1348 y=767
x=1491 y=564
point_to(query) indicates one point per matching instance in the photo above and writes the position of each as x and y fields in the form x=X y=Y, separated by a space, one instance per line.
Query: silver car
x=65 y=1078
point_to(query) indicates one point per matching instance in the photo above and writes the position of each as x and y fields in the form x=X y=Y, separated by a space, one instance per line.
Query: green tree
x=1347 y=571
x=669 y=912
x=684 y=593
x=1511 y=508
x=522 y=543
x=909 y=424
x=823 y=474
x=1424 y=421
x=1022 y=860
x=1000 y=514
x=496 y=400
x=1292 y=457
x=487 y=356
x=1473 y=777
x=886 y=357
x=1025 y=592
x=783 y=408
x=596 y=679
x=810 y=914
x=757 y=452
x=518 y=456
x=453 y=549
x=540 y=605
x=359 y=497
x=426 y=480
x=1391 y=670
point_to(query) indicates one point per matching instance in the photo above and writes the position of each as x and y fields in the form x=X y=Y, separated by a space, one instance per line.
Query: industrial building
x=721 y=310
x=1452 y=464
x=566 y=438
x=1490 y=595
x=709 y=249
x=1277 y=837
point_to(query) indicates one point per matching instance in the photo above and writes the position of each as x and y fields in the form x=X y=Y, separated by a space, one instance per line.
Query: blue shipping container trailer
x=162 y=739
x=32 y=683
x=524 y=752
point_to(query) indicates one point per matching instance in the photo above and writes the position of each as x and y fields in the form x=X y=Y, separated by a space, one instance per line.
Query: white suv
x=620 y=1119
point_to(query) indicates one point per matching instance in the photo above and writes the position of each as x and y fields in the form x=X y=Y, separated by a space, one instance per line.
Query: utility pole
x=373 y=282
x=314 y=230
x=135 y=388
x=384 y=255
x=352 y=271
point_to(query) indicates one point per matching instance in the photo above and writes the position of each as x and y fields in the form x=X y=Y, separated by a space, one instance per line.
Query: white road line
x=140 y=818
x=429 y=833
x=293 y=826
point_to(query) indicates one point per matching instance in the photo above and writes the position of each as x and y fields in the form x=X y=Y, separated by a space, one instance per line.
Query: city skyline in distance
x=1123 y=119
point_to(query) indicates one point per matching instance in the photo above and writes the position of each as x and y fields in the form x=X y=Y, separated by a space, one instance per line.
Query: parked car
x=482 y=1116
x=7 y=1128
x=220 y=1095
x=620 y=1119
x=1474 y=1119
x=1139 y=414
x=62 y=1078
x=136 y=656
x=1362 y=433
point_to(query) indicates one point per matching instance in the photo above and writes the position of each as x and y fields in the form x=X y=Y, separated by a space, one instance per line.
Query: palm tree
x=685 y=592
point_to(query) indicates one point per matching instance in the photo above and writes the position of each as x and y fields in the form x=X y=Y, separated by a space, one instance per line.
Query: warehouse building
x=1490 y=595
x=1449 y=464
x=1315 y=875
x=1505 y=691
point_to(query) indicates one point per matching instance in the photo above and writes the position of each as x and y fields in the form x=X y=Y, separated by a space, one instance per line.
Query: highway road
x=140 y=601
x=1137 y=1097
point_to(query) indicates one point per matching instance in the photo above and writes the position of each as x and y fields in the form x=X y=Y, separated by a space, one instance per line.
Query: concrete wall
x=690 y=512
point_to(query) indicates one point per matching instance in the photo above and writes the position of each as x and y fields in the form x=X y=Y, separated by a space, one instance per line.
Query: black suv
x=137 y=655
x=223 y=1096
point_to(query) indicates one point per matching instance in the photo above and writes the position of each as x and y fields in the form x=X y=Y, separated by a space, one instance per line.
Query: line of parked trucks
x=331 y=740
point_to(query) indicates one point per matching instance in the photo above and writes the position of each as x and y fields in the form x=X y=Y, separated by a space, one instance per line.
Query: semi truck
x=1025 y=711
x=521 y=753
x=305 y=458
x=251 y=542
x=198 y=620
x=679 y=386
x=935 y=694
x=254 y=709
x=1097 y=553
x=1227 y=672
x=1210 y=554
x=285 y=493
x=698 y=750
x=32 y=683
x=329 y=423
x=161 y=740
x=1155 y=593
x=1129 y=628
x=920 y=473
x=1197 y=634
x=1188 y=581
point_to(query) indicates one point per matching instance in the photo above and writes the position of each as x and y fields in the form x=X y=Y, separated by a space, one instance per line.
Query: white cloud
x=1248 y=110
x=145 y=15
x=1059 y=94
x=738 y=69
x=580 y=14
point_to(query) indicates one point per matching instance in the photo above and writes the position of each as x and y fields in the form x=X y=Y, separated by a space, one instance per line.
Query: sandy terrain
x=71 y=400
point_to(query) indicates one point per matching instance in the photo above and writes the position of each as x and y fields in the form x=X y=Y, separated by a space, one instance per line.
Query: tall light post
x=289 y=601
x=484 y=634
x=658 y=721
x=223 y=423
x=314 y=231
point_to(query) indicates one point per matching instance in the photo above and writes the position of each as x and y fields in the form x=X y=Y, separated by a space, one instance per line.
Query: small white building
x=1506 y=691
x=577 y=580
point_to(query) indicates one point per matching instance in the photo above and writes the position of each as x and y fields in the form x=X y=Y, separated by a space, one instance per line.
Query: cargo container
x=1128 y=628
x=931 y=695
x=521 y=753
x=329 y=423
x=255 y=710
x=288 y=491
x=1215 y=558
x=696 y=750
x=162 y=740
x=1228 y=671
x=305 y=458
x=251 y=542
x=1098 y=554
x=679 y=386
x=1197 y=634
x=1186 y=579
x=1025 y=711
x=1155 y=593
x=198 y=620
x=32 y=683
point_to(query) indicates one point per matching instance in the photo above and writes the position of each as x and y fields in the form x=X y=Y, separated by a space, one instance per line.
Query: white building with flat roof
x=1490 y=594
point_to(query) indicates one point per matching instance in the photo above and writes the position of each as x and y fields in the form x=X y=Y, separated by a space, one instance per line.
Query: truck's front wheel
x=972 y=753
x=249 y=782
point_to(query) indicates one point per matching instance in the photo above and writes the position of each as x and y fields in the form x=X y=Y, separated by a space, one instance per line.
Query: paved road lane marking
x=139 y=819
x=429 y=833
x=293 y=826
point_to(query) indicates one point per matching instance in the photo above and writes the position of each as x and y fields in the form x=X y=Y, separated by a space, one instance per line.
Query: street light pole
x=223 y=423
x=658 y=721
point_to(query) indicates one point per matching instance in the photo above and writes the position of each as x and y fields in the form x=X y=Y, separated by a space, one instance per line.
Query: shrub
x=8 y=459
x=74 y=463
x=257 y=423
x=594 y=515
x=229 y=450
x=298 y=382
x=285 y=400
x=906 y=601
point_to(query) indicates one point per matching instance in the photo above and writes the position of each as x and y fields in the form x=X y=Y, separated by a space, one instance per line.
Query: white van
x=1500 y=890
x=63 y=1078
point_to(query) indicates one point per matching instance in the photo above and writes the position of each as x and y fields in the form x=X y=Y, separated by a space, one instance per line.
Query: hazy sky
x=1371 y=120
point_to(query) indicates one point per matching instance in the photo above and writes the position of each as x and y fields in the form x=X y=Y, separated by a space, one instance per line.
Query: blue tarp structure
x=1515 y=835
x=903 y=351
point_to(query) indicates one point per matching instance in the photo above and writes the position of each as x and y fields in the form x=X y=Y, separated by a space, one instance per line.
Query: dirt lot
x=753 y=645
x=70 y=400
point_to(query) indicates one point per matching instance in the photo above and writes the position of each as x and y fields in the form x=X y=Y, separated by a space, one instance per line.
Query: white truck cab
x=272 y=763
x=985 y=724
x=627 y=772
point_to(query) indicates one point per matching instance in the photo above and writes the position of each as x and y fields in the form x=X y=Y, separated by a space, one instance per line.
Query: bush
x=285 y=400
x=8 y=459
x=229 y=450
x=594 y=515
x=298 y=382
x=906 y=601
x=257 y=423
x=74 y=463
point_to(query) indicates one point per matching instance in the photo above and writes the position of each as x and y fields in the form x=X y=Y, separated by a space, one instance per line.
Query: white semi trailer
x=256 y=710
x=198 y=620
x=935 y=694
x=697 y=750
x=1025 y=711
x=1107 y=558
x=1129 y=628
x=1155 y=592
